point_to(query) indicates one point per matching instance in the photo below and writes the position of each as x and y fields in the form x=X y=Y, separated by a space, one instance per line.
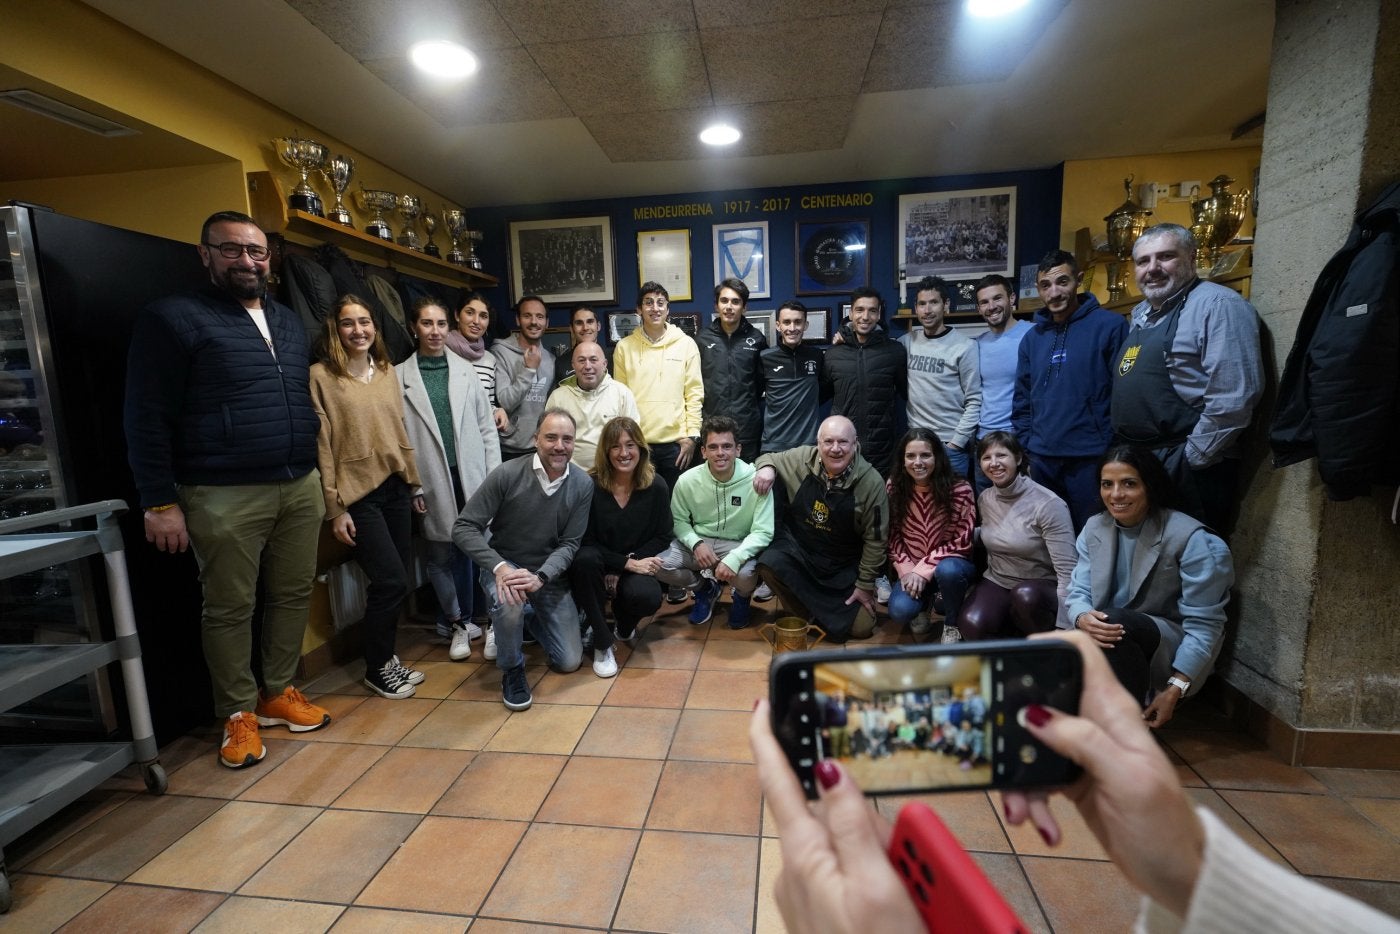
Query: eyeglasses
x=655 y=303
x=234 y=250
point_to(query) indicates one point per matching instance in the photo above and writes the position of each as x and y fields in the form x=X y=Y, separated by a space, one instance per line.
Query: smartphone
x=952 y=893
x=923 y=718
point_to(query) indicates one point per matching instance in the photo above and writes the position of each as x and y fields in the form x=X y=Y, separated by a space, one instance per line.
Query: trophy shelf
x=270 y=210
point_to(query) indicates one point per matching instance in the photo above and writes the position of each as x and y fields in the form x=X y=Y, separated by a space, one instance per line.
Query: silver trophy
x=456 y=221
x=338 y=171
x=305 y=155
x=378 y=201
x=475 y=236
x=410 y=206
x=430 y=224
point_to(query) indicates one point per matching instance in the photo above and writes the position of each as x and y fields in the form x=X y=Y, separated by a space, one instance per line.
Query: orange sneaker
x=241 y=747
x=292 y=710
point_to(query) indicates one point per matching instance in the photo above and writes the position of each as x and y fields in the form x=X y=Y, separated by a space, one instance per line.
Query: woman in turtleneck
x=1029 y=538
x=468 y=341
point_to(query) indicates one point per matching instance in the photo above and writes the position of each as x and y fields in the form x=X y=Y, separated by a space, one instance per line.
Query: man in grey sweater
x=524 y=377
x=522 y=527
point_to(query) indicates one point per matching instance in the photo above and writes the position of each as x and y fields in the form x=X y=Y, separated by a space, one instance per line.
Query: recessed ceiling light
x=990 y=8
x=719 y=134
x=443 y=59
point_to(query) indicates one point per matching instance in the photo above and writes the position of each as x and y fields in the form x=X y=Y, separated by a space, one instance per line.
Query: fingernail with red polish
x=1037 y=715
x=1006 y=809
x=828 y=773
x=755 y=702
x=1045 y=835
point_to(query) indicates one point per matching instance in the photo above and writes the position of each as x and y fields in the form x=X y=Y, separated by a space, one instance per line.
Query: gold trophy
x=410 y=206
x=338 y=171
x=456 y=221
x=305 y=155
x=378 y=201
x=430 y=224
x=1216 y=220
x=1125 y=225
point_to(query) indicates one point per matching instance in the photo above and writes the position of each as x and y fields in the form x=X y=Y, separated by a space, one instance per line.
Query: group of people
x=954 y=724
x=553 y=487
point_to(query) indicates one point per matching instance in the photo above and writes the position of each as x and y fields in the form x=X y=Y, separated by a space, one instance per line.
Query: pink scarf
x=470 y=350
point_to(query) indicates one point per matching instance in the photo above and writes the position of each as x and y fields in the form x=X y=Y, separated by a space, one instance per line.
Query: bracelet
x=161 y=508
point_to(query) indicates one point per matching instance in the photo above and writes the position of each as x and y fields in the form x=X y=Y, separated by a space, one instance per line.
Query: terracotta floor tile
x=602 y=792
x=1230 y=817
x=712 y=736
x=970 y=815
x=441 y=678
x=1383 y=896
x=1184 y=773
x=1004 y=872
x=239 y=915
x=629 y=733
x=576 y=687
x=485 y=683
x=345 y=679
x=650 y=687
x=1383 y=812
x=1367 y=783
x=175 y=755
x=1233 y=760
x=663 y=651
x=1081 y=895
x=770 y=829
x=340 y=706
x=315 y=775
x=361 y=842
x=384 y=921
x=447 y=866
x=1076 y=840
x=127 y=838
x=44 y=903
x=706 y=797
x=586 y=868
x=727 y=690
x=131 y=908
x=84 y=812
x=544 y=728
x=376 y=721
x=687 y=882
x=412 y=642
x=494 y=926
x=221 y=853
x=458 y=725
x=206 y=777
x=737 y=654
x=768 y=919
x=1320 y=835
x=406 y=779
x=502 y=785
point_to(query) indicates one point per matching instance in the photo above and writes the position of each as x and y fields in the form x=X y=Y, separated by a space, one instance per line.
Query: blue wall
x=1038 y=194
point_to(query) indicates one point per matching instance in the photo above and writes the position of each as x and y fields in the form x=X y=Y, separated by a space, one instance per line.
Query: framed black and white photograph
x=741 y=252
x=622 y=323
x=818 y=326
x=564 y=260
x=664 y=256
x=833 y=257
x=957 y=234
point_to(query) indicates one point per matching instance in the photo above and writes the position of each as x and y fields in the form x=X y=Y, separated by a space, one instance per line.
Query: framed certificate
x=664 y=256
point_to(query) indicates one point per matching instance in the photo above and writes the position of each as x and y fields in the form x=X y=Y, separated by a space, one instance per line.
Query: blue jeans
x=951 y=578
x=555 y=624
x=958 y=459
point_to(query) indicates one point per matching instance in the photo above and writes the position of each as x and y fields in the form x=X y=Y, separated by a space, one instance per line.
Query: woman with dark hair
x=468 y=341
x=629 y=526
x=368 y=476
x=931 y=519
x=1151 y=585
x=1029 y=538
x=448 y=418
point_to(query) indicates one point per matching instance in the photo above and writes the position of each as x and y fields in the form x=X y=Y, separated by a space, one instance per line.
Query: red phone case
x=946 y=884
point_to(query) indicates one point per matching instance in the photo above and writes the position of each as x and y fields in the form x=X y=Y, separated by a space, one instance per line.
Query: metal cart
x=38 y=781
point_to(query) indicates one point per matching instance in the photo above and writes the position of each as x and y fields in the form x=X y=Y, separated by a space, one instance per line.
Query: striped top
x=927 y=534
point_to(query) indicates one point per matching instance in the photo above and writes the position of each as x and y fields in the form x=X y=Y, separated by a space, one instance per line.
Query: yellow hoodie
x=665 y=378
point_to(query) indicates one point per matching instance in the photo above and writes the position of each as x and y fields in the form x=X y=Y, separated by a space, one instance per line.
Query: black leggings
x=637 y=597
x=1131 y=658
x=991 y=610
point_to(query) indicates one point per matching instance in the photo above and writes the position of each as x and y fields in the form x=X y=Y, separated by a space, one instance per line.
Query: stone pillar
x=1318 y=638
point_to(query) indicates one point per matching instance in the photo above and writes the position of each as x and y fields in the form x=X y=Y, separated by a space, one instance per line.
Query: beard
x=242 y=286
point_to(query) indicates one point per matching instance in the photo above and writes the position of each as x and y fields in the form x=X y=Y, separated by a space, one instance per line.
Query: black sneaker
x=675 y=595
x=515 y=690
x=390 y=681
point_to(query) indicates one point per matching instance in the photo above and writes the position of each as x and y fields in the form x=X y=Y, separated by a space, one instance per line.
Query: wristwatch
x=544 y=578
x=1181 y=684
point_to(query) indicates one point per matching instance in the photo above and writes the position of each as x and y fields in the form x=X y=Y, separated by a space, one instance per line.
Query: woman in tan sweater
x=369 y=478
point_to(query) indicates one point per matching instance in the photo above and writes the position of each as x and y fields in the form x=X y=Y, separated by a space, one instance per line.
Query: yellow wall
x=74 y=47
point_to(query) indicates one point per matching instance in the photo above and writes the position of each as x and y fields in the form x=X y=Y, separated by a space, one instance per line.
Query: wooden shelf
x=270 y=210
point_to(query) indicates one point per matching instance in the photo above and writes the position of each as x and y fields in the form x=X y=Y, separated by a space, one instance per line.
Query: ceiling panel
x=789 y=60
x=624 y=75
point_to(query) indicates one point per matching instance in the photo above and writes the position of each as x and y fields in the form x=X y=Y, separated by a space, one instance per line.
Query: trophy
x=338 y=172
x=430 y=223
x=456 y=221
x=1125 y=225
x=1216 y=220
x=410 y=206
x=305 y=155
x=475 y=236
x=378 y=200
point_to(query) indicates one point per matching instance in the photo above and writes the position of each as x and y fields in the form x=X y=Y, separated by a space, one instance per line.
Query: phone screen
x=925 y=718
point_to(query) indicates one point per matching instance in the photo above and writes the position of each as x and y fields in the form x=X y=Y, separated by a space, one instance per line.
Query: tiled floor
x=627 y=804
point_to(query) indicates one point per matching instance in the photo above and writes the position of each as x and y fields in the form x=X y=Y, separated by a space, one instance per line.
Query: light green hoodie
x=703 y=508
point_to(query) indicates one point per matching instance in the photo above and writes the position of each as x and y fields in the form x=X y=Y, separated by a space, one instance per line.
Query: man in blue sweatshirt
x=1064 y=386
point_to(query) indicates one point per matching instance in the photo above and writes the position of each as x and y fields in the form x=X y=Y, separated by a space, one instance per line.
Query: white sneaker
x=604 y=664
x=882 y=590
x=762 y=594
x=950 y=635
x=488 y=651
x=461 y=649
x=411 y=675
x=473 y=630
x=920 y=624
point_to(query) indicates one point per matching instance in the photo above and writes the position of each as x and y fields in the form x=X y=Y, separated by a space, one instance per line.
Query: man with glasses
x=221 y=436
x=660 y=363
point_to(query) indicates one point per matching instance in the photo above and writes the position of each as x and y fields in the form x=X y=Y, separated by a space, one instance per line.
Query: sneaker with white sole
x=604 y=663
x=411 y=675
x=473 y=630
x=488 y=651
x=515 y=689
x=762 y=594
x=241 y=746
x=461 y=648
x=389 y=682
x=920 y=624
x=883 y=590
x=950 y=635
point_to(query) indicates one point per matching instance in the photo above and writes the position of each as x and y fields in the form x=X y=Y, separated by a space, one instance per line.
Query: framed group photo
x=741 y=252
x=833 y=257
x=564 y=261
x=958 y=234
